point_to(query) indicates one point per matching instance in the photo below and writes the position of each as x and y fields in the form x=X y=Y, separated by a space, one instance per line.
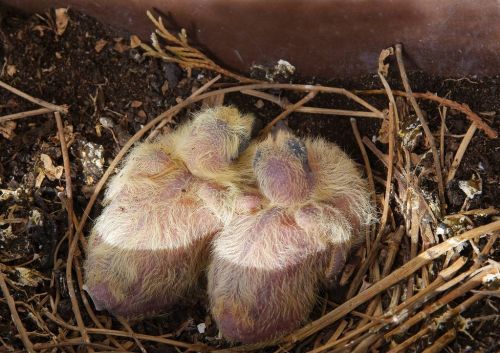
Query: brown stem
x=15 y=316
x=423 y=122
x=442 y=341
x=67 y=171
x=366 y=161
x=289 y=110
x=410 y=341
x=428 y=310
x=21 y=115
x=407 y=306
x=356 y=282
x=464 y=108
x=125 y=324
x=77 y=342
x=461 y=151
x=52 y=107
x=310 y=110
x=99 y=331
x=69 y=202
x=396 y=276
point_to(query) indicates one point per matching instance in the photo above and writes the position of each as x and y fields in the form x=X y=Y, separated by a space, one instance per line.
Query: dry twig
x=99 y=331
x=461 y=151
x=67 y=171
x=423 y=122
x=25 y=114
x=461 y=107
x=353 y=334
x=15 y=316
x=396 y=276
x=311 y=110
x=385 y=211
x=442 y=342
x=442 y=113
x=474 y=282
x=180 y=52
x=289 y=110
x=52 y=107
x=125 y=324
x=391 y=317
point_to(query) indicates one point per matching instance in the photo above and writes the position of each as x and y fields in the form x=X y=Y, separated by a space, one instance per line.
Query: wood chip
x=29 y=277
x=120 y=47
x=164 y=87
x=39 y=179
x=383 y=134
x=136 y=104
x=11 y=70
x=99 y=45
x=7 y=129
x=62 y=20
x=52 y=172
x=384 y=54
x=134 y=41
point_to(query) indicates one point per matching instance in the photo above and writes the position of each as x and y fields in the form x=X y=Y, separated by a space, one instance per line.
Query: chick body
x=149 y=245
x=268 y=264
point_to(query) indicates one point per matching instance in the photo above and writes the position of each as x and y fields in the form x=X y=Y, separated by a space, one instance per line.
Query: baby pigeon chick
x=268 y=264
x=149 y=245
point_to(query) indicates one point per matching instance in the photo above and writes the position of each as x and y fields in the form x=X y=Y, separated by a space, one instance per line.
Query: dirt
x=111 y=94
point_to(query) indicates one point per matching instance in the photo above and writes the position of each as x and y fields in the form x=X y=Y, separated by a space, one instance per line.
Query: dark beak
x=280 y=126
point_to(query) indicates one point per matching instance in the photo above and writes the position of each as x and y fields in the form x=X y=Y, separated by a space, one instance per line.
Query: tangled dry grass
x=396 y=295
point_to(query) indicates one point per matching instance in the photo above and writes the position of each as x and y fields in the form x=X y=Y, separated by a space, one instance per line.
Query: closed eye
x=244 y=143
x=257 y=157
x=298 y=149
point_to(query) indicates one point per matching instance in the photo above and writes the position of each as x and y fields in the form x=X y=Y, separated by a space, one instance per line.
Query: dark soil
x=105 y=88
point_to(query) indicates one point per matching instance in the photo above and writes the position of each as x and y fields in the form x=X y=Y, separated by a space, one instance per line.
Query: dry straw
x=434 y=275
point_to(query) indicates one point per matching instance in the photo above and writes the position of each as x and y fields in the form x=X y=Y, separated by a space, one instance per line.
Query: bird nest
x=419 y=269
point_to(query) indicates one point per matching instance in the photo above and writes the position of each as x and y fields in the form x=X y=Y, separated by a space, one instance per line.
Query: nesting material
x=417 y=273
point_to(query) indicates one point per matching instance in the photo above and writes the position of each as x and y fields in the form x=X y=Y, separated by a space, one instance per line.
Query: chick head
x=281 y=167
x=214 y=139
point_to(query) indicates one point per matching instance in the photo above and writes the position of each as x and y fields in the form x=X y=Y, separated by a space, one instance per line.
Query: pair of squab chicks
x=267 y=221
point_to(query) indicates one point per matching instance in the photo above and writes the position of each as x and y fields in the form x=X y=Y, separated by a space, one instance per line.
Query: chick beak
x=280 y=126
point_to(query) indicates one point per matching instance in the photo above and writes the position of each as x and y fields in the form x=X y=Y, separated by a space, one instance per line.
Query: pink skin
x=152 y=164
x=201 y=151
x=282 y=184
x=308 y=215
x=278 y=323
x=136 y=303
x=307 y=218
x=280 y=299
x=215 y=196
x=268 y=263
x=133 y=212
x=149 y=246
